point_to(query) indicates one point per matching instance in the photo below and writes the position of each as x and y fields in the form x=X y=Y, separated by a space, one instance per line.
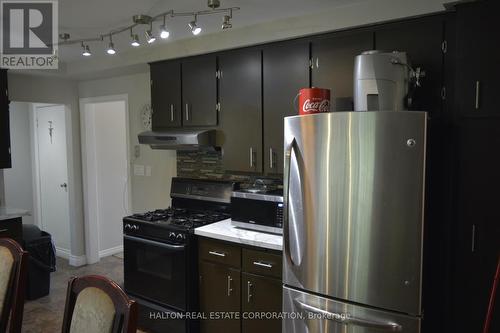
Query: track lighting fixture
x=195 y=29
x=86 y=50
x=150 y=38
x=226 y=23
x=135 y=39
x=164 y=33
x=111 y=47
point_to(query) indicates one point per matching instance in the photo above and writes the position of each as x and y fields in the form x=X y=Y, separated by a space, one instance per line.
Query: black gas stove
x=160 y=252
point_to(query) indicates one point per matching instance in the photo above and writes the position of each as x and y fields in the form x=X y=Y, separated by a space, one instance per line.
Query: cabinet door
x=422 y=40
x=476 y=246
x=286 y=71
x=219 y=292
x=5 y=158
x=261 y=295
x=333 y=63
x=166 y=94
x=199 y=91
x=477 y=74
x=240 y=97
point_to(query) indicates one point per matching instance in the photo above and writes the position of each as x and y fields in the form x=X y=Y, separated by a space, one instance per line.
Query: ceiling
x=91 y=18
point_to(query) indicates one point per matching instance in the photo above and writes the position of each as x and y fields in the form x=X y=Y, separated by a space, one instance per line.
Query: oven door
x=155 y=271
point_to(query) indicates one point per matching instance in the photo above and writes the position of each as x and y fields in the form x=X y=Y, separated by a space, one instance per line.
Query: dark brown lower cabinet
x=239 y=281
x=219 y=295
x=261 y=298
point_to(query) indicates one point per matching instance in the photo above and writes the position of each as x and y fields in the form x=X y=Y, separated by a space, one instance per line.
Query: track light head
x=226 y=23
x=195 y=29
x=164 y=33
x=135 y=41
x=150 y=38
x=86 y=50
x=111 y=49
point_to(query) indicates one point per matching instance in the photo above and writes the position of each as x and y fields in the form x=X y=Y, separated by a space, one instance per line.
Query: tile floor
x=45 y=314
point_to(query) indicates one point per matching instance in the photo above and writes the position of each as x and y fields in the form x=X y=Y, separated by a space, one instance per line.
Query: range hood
x=179 y=139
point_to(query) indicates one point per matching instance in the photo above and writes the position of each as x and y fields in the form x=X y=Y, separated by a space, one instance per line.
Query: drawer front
x=262 y=263
x=220 y=252
x=12 y=229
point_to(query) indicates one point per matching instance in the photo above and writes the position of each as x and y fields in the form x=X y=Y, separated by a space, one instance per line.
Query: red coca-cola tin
x=314 y=100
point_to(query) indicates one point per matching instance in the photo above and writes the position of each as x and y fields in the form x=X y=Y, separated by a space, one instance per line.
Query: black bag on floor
x=42 y=261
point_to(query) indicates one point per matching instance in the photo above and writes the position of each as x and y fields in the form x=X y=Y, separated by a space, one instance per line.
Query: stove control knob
x=127 y=226
x=135 y=227
x=171 y=235
x=180 y=237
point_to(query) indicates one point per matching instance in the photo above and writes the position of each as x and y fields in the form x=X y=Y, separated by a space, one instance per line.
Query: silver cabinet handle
x=262 y=264
x=252 y=161
x=317 y=62
x=473 y=238
x=249 y=291
x=187 y=112
x=171 y=112
x=349 y=320
x=229 y=289
x=218 y=254
x=478 y=88
x=3 y=230
x=271 y=158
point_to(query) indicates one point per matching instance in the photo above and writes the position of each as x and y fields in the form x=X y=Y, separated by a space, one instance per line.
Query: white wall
x=147 y=192
x=110 y=131
x=19 y=179
x=44 y=89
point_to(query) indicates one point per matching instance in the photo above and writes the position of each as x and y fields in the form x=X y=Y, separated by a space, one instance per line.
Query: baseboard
x=77 y=260
x=63 y=253
x=111 y=251
x=73 y=260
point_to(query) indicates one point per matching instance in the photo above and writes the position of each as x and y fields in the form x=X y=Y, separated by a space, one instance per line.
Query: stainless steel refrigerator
x=354 y=212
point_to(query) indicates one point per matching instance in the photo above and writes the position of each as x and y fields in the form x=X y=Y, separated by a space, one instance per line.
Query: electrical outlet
x=138 y=170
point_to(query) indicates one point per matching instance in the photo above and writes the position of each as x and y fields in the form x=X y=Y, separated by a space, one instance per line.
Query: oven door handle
x=155 y=243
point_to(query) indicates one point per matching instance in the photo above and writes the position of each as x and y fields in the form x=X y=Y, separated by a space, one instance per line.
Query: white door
x=53 y=174
x=106 y=164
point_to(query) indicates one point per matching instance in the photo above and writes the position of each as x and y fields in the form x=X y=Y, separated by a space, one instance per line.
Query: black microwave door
x=255 y=211
x=155 y=271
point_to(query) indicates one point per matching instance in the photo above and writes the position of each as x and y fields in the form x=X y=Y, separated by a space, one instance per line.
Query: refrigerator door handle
x=349 y=320
x=290 y=230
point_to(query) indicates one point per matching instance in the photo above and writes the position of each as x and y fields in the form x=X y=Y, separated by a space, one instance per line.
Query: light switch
x=137 y=151
x=148 y=170
x=138 y=170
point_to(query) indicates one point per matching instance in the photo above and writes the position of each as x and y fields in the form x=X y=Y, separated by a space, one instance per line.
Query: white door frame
x=90 y=188
x=37 y=191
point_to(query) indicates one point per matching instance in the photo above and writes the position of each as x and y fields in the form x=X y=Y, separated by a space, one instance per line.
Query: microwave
x=258 y=211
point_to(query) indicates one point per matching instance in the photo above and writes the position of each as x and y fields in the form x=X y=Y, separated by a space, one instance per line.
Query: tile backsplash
x=203 y=164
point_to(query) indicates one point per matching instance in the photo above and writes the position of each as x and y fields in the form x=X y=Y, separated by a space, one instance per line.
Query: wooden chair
x=97 y=304
x=13 y=274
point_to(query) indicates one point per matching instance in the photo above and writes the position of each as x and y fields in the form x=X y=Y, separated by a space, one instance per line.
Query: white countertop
x=223 y=230
x=7 y=213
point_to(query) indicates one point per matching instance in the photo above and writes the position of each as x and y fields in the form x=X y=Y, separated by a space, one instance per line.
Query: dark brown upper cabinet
x=477 y=72
x=422 y=40
x=199 y=91
x=166 y=94
x=240 y=98
x=5 y=158
x=286 y=71
x=332 y=63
